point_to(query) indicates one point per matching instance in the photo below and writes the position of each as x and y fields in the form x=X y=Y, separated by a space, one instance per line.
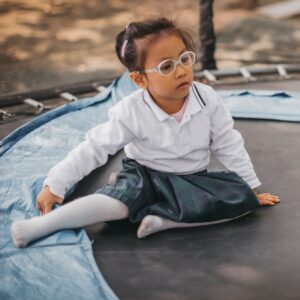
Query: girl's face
x=165 y=88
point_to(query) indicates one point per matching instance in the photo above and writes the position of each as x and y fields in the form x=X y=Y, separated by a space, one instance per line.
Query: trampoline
x=253 y=257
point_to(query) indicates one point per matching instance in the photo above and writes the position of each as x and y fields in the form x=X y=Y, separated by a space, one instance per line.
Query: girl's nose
x=180 y=70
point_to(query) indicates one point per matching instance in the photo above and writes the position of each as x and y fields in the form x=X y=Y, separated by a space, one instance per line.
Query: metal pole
x=207 y=35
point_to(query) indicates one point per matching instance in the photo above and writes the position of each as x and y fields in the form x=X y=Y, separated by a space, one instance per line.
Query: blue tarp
x=62 y=265
x=263 y=104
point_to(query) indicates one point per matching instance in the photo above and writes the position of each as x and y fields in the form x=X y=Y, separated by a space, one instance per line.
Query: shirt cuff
x=55 y=187
x=254 y=183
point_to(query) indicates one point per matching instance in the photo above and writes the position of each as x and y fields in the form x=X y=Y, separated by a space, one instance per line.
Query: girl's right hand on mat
x=46 y=200
x=267 y=199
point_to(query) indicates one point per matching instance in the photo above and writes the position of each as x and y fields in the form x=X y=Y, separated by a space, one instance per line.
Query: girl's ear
x=139 y=79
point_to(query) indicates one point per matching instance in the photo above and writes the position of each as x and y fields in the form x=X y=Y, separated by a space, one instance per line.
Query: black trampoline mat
x=255 y=257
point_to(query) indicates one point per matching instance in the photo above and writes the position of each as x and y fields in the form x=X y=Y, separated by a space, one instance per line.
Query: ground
x=47 y=43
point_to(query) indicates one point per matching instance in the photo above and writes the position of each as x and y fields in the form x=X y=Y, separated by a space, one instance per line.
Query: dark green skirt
x=200 y=197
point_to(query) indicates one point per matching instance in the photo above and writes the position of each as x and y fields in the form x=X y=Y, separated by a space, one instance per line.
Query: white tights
x=85 y=211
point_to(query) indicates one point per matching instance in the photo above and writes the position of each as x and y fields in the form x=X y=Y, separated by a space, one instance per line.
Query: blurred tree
x=207 y=35
x=250 y=4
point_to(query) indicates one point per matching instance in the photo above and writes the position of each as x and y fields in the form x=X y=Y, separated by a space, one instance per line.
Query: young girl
x=167 y=128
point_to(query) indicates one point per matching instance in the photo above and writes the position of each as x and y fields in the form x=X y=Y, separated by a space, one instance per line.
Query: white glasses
x=168 y=66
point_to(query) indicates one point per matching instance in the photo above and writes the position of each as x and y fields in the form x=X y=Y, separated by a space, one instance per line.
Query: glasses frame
x=176 y=63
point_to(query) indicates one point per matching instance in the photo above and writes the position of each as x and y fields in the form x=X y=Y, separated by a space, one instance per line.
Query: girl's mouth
x=183 y=85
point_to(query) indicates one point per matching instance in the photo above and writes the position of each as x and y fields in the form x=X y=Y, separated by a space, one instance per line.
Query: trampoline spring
x=100 y=88
x=282 y=72
x=246 y=74
x=40 y=106
x=68 y=96
x=4 y=115
x=210 y=76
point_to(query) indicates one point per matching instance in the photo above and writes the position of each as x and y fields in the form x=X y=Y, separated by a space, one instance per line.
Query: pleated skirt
x=205 y=196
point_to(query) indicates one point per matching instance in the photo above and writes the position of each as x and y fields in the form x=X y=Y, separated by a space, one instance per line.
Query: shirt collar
x=195 y=100
x=195 y=103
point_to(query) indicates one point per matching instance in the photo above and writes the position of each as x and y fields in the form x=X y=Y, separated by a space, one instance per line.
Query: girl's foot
x=18 y=233
x=25 y=231
x=150 y=224
x=267 y=199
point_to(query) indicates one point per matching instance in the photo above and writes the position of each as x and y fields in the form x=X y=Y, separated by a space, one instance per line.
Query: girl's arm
x=228 y=145
x=101 y=141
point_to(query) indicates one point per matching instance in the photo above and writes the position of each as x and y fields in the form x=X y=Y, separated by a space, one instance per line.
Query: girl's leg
x=78 y=213
x=151 y=224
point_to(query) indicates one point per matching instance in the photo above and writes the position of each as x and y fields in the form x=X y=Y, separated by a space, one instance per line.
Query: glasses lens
x=167 y=67
x=187 y=58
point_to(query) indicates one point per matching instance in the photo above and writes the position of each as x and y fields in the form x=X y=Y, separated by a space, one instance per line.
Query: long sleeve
x=100 y=141
x=228 y=144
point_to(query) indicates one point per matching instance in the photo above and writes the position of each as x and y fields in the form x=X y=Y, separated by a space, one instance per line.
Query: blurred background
x=50 y=43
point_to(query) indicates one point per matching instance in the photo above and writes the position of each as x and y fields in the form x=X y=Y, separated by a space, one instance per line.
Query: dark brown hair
x=139 y=35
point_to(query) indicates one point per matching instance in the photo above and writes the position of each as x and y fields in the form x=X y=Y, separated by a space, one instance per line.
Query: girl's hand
x=266 y=198
x=46 y=199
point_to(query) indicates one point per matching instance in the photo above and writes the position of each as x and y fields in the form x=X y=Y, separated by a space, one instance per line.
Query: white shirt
x=157 y=140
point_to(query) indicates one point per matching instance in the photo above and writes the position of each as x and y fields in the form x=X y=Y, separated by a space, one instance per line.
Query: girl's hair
x=132 y=42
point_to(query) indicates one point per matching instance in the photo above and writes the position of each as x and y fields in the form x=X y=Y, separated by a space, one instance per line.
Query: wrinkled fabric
x=263 y=104
x=205 y=196
x=61 y=265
